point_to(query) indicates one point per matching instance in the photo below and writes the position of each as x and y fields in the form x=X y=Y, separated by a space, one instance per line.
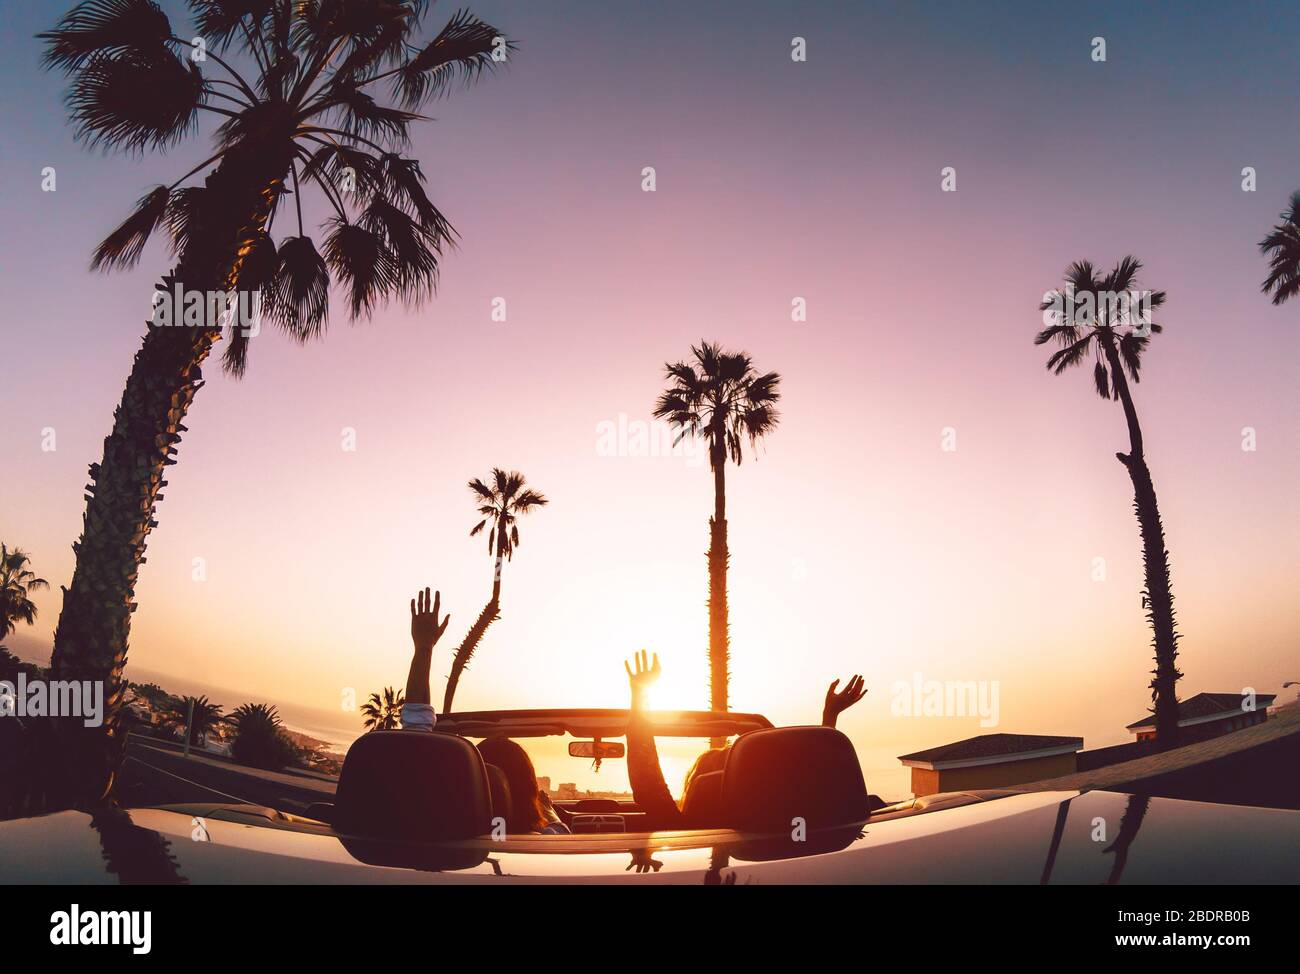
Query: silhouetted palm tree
x=17 y=582
x=1282 y=247
x=501 y=504
x=259 y=738
x=306 y=105
x=721 y=398
x=383 y=713
x=1085 y=320
x=205 y=718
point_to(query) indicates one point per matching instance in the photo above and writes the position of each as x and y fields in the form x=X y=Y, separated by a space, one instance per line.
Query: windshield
x=567 y=778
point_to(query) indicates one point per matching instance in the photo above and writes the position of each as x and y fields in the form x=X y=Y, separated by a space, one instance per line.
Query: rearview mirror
x=595 y=749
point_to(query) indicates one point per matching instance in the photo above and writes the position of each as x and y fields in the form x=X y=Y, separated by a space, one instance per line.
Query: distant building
x=568 y=791
x=991 y=761
x=1208 y=715
x=544 y=783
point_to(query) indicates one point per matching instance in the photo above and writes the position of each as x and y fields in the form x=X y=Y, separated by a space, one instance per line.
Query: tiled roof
x=992 y=746
x=1207 y=705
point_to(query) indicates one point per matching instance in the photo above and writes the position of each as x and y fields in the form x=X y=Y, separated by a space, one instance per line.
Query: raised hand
x=425 y=628
x=837 y=703
x=643 y=677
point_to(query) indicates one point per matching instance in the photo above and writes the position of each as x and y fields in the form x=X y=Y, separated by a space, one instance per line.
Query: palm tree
x=206 y=716
x=1282 y=247
x=259 y=738
x=501 y=504
x=17 y=582
x=721 y=398
x=305 y=106
x=1118 y=338
x=383 y=713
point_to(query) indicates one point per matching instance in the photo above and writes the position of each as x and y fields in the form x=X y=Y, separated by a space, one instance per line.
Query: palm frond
x=415 y=251
x=135 y=100
x=219 y=21
x=105 y=27
x=1101 y=379
x=1282 y=247
x=1063 y=334
x=1131 y=348
x=1069 y=356
x=461 y=51
x=361 y=262
x=121 y=248
x=297 y=297
x=360 y=114
x=529 y=499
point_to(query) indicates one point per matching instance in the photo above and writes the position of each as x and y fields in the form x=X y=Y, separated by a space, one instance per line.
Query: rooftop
x=991 y=749
x=1206 y=706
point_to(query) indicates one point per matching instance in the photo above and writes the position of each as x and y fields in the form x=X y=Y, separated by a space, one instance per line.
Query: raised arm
x=837 y=703
x=643 y=771
x=417 y=713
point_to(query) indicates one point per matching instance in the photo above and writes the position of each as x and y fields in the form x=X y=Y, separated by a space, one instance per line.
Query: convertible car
x=790 y=806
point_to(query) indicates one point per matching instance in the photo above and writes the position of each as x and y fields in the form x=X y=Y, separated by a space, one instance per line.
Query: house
x=991 y=761
x=1208 y=715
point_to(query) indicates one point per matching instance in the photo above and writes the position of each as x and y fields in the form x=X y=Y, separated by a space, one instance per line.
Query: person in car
x=531 y=809
x=644 y=773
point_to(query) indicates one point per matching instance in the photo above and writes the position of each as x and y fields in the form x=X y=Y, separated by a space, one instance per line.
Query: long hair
x=525 y=806
x=711 y=760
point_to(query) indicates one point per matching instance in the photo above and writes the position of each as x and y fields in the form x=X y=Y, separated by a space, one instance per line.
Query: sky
x=859 y=544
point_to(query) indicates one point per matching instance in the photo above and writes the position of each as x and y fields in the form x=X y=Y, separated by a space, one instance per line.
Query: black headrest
x=778 y=774
x=499 y=789
x=412 y=785
x=704 y=808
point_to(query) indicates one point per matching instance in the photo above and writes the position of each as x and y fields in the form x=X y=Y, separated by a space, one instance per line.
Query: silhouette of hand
x=837 y=703
x=643 y=677
x=425 y=628
x=643 y=862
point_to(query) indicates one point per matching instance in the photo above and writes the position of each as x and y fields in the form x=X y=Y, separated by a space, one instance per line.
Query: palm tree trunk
x=1158 y=595
x=719 y=636
x=496 y=574
x=466 y=649
x=90 y=642
x=472 y=638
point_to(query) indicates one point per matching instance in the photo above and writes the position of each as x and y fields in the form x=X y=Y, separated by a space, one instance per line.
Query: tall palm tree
x=1282 y=247
x=721 y=398
x=501 y=504
x=295 y=86
x=206 y=716
x=1083 y=319
x=17 y=582
x=383 y=713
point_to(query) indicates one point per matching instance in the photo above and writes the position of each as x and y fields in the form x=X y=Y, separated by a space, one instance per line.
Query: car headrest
x=703 y=808
x=499 y=789
x=412 y=785
x=776 y=775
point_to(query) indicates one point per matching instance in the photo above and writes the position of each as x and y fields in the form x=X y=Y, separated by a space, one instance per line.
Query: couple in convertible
x=532 y=811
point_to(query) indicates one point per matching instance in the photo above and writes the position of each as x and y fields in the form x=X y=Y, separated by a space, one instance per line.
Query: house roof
x=1204 y=706
x=991 y=749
